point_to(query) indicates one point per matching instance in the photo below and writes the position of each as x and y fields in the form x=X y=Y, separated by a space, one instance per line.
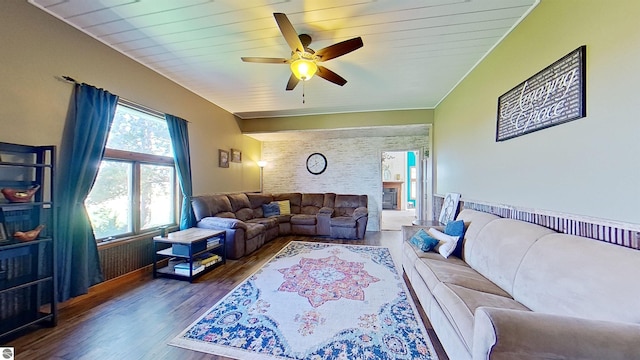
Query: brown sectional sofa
x=247 y=229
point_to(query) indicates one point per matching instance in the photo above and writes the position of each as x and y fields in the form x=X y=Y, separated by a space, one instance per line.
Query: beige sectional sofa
x=522 y=291
x=241 y=215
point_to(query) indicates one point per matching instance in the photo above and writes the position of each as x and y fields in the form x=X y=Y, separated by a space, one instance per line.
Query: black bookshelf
x=27 y=269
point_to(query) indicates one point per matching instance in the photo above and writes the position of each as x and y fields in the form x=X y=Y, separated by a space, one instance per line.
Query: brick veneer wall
x=354 y=167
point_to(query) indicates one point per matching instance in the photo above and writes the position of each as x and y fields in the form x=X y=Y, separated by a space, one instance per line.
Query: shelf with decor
x=27 y=246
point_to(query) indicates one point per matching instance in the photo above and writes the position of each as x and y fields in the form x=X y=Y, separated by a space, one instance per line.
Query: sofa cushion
x=284 y=207
x=423 y=241
x=456 y=228
x=499 y=248
x=434 y=272
x=254 y=229
x=256 y=201
x=267 y=222
x=294 y=201
x=244 y=214
x=346 y=204
x=226 y=214
x=329 y=200
x=270 y=209
x=200 y=208
x=446 y=243
x=476 y=220
x=576 y=276
x=303 y=219
x=211 y=205
x=460 y=303
x=411 y=254
x=311 y=203
x=218 y=222
x=239 y=201
x=241 y=206
x=283 y=218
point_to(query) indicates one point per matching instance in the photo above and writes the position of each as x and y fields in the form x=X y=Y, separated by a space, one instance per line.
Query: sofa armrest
x=323 y=226
x=218 y=223
x=360 y=213
x=409 y=230
x=326 y=211
x=513 y=334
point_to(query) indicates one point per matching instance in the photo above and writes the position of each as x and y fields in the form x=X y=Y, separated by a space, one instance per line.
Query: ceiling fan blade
x=289 y=32
x=293 y=81
x=339 y=49
x=265 y=60
x=329 y=75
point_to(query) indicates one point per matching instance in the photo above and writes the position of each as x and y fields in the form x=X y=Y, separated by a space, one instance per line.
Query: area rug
x=315 y=301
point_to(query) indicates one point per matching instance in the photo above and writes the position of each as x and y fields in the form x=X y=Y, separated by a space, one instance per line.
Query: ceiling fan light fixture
x=304 y=60
x=304 y=69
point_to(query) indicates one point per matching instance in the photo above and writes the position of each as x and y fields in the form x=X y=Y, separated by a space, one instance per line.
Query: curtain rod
x=69 y=79
x=130 y=103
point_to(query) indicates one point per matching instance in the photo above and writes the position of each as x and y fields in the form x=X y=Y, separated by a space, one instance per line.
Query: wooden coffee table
x=197 y=250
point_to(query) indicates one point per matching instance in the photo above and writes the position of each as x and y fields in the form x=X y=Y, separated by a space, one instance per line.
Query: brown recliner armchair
x=350 y=217
x=315 y=211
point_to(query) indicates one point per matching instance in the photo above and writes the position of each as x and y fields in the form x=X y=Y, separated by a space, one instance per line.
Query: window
x=135 y=190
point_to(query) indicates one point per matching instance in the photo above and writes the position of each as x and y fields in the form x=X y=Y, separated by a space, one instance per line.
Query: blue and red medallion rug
x=315 y=301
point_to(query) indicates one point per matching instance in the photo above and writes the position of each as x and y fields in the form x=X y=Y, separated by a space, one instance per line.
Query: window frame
x=135 y=160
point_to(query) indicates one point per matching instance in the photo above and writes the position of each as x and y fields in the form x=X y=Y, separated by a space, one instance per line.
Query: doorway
x=400 y=190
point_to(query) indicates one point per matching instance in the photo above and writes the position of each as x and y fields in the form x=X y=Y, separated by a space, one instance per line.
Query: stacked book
x=208 y=259
x=200 y=263
x=183 y=268
x=213 y=242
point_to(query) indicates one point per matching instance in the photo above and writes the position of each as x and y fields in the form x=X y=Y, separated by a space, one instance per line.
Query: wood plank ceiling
x=415 y=51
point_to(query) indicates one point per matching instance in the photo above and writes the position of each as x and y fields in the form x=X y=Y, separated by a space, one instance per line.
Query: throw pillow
x=423 y=241
x=447 y=243
x=285 y=207
x=271 y=209
x=456 y=228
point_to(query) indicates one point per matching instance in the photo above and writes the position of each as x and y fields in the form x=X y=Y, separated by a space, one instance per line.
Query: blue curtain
x=90 y=117
x=180 y=142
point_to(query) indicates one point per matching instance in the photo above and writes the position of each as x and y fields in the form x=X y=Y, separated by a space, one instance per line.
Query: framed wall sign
x=553 y=96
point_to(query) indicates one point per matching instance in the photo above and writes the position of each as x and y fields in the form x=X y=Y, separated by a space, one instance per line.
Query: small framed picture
x=236 y=155
x=223 y=158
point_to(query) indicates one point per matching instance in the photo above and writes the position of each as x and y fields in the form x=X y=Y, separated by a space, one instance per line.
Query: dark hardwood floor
x=135 y=318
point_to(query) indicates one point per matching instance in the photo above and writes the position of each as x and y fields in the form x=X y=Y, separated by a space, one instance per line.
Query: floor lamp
x=261 y=165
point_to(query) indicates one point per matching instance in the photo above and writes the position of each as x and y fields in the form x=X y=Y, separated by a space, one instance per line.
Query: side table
x=426 y=223
x=192 y=253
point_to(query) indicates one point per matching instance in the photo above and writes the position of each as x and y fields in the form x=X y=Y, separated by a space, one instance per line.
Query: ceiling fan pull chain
x=303 y=91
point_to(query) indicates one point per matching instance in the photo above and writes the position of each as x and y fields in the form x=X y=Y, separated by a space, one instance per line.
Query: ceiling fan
x=304 y=61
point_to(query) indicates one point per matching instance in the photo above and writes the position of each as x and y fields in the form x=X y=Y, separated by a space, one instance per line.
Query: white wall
x=585 y=167
x=354 y=167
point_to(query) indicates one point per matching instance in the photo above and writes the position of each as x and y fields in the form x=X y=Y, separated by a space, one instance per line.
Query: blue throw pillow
x=456 y=228
x=270 y=209
x=423 y=241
